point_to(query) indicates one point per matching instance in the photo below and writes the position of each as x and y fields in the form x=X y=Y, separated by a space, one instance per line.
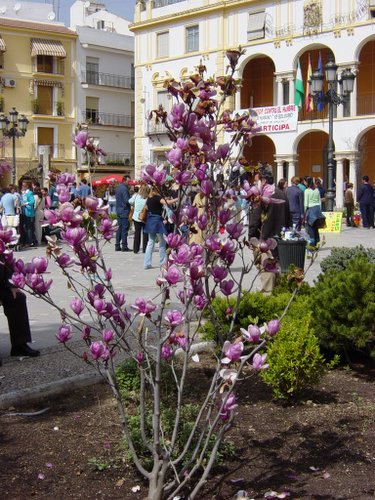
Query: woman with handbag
x=314 y=219
x=138 y=201
x=155 y=226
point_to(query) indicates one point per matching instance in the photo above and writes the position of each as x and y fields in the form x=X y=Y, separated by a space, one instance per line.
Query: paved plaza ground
x=129 y=276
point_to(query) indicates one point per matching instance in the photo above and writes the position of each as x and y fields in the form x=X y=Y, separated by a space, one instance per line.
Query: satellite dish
x=51 y=16
x=3 y=9
x=16 y=7
x=86 y=4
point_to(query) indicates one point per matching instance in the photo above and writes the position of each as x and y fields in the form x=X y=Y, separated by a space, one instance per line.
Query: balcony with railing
x=156 y=128
x=118 y=159
x=107 y=80
x=94 y=117
x=56 y=150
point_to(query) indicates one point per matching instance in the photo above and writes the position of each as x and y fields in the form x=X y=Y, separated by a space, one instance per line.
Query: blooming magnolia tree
x=151 y=332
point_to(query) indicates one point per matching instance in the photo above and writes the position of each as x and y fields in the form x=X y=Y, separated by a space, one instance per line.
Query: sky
x=123 y=8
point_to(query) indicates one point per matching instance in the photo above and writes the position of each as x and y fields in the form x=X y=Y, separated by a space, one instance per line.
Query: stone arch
x=257 y=81
x=311 y=148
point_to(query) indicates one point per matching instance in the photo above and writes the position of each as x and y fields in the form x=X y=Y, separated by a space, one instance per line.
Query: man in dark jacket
x=266 y=221
x=295 y=200
x=15 y=309
x=122 y=209
x=365 y=200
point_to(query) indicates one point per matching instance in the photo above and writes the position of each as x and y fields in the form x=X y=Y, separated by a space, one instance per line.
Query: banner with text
x=333 y=222
x=276 y=118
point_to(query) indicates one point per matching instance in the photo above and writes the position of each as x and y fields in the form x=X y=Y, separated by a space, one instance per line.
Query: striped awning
x=2 y=45
x=43 y=47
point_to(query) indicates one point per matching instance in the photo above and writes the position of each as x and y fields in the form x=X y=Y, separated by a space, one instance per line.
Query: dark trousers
x=365 y=209
x=122 y=231
x=313 y=233
x=349 y=214
x=138 y=231
x=15 y=309
x=29 y=224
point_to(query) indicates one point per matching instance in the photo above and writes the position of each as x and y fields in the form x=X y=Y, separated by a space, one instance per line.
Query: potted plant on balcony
x=35 y=106
x=60 y=108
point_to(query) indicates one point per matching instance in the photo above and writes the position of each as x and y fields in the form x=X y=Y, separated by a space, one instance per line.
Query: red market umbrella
x=108 y=179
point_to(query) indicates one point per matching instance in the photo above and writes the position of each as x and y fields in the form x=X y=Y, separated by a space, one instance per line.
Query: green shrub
x=344 y=307
x=294 y=358
x=341 y=256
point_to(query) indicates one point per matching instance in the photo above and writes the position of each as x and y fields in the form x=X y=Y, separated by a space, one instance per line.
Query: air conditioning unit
x=10 y=82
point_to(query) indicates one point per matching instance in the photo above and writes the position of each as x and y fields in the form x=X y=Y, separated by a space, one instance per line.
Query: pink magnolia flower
x=200 y=301
x=224 y=216
x=140 y=357
x=273 y=327
x=100 y=306
x=174 y=318
x=174 y=240
x=74 y=236
x=206 y=187
x=232 y=352
x=219 y=273
x=77 y=305
x=86 y=331
x=40 y=264
x=51 y=216
x=108 y=274
x=64 y=333
x=271 y=265
x=81 y=138
x=6 y=235
x=252 y=334
x=37 y=284
x=107 y=228
x=234 y=230
x=166 y=352
x=64 y=261
x=143 y=306
x=107 y=335
x=182 y=341
x=259 y=362
x=227 y=405
x=119 y=298
x=182 y=255
x=97 y=349
x=172 y=275
x=228 y=375
x=226 y=287
x=18 y=280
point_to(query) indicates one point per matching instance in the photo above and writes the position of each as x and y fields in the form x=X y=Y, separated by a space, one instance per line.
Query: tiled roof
x=28 y=25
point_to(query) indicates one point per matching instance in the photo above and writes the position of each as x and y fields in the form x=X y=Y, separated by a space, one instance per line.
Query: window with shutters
x=92 y=70
x=92 y=109
x=256 y=25
x=192 y=38
x=162 y=44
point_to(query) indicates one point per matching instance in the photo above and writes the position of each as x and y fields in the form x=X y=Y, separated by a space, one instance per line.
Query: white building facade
x=172 y=37
x=105 y=83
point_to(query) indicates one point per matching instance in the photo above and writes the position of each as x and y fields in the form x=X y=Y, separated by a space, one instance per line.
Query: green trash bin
x=291 y=252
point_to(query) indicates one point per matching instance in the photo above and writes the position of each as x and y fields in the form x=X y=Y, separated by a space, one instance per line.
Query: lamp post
x=332 y=98
x=18 y=129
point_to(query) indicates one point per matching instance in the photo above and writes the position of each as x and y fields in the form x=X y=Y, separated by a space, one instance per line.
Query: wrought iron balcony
x=108 y=80
x=164 y=3
x=156 y=128
x=118 y=159
x=55 y=150
x=94 y=117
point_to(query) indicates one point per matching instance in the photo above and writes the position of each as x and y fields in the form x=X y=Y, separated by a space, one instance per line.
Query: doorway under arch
x=262 y=150
x=258 y=83
x=312 y=154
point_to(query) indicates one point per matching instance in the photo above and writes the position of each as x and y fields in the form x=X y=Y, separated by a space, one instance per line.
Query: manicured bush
x=294 y=358
x=341 y=256
x=344 y=307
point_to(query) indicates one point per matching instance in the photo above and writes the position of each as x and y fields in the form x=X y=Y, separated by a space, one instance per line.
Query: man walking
x=365 y=199
x=122 y=210
x=295 y=200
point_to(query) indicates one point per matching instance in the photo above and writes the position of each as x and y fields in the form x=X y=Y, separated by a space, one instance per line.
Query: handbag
x=321 y=222
x=143 y=214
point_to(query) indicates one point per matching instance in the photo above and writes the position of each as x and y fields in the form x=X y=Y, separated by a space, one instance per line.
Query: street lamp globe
x=13 y=115
x=347 y=79
x=316 y=81
x=22 y=123
x=3 y=123
x=331 y=71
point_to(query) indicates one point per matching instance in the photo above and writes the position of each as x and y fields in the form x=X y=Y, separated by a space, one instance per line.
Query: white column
x=279 y=173
x=353 y=95
x=279 y=91
x=339 y=184
x=291 y=171
x=353 y=176
x=291 y=91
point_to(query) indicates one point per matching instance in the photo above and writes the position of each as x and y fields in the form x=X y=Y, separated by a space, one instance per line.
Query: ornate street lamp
x=332 y=98
x=18 y=129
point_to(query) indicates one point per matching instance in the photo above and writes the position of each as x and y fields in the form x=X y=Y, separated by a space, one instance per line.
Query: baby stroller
x=12 y=222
